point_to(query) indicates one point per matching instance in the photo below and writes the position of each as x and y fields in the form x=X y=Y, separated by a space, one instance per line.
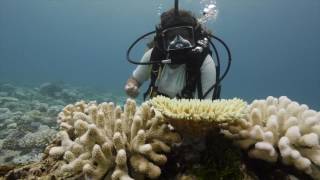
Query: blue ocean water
x=275 y=44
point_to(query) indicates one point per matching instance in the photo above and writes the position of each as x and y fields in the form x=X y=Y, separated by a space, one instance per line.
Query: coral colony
x=104 y=141
x=97 y=139
x=267 y=128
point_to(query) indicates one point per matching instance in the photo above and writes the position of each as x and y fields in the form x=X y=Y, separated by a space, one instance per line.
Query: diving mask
x=178 y=38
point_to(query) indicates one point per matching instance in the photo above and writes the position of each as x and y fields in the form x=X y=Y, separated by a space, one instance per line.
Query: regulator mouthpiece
x=179 y=43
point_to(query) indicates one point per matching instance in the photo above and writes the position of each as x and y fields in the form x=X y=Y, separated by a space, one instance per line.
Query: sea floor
x=28 y=117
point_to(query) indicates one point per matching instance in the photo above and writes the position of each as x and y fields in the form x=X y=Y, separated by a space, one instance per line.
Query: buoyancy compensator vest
x=193 y=62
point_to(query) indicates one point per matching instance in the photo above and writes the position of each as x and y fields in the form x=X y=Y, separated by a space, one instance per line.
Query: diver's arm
x=139 y=75
x=142 y=72
x=208 y=76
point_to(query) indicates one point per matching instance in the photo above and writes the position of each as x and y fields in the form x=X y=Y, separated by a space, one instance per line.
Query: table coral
x=101 y=140
x=196 y=117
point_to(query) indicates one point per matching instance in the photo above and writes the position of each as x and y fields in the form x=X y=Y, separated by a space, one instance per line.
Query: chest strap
x=156 y=55
x=193 y=74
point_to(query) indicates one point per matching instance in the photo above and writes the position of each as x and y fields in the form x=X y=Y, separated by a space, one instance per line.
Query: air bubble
x=159 y=7
x=209 y=11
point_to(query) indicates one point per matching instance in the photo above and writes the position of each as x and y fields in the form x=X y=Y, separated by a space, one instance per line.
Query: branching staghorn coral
x=280 y=129
x=102 y=141
x=197 y=116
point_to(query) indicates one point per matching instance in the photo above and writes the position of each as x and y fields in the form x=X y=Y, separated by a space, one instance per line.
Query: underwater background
x=55 y=52
x=275 y=44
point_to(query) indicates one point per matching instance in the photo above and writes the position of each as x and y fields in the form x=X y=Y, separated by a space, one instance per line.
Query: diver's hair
x=169 y=18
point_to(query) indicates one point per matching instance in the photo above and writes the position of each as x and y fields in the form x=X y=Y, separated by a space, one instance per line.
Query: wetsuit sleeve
x=208 y=76
x=142 y=72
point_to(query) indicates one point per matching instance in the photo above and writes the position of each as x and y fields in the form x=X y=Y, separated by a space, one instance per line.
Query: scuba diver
x=180 y=63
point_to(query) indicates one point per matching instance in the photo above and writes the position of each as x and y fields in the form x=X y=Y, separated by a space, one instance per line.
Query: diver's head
x=183 y=18
x=177 y=31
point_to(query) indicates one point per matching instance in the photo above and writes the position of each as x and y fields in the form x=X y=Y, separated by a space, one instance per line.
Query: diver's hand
x=132 y=88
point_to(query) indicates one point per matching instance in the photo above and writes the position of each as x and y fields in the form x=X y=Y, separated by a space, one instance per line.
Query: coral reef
x=50 y=89
x=41 y=138
x=278 y=129
x=104 y=141
x=196 y=117
x=25 y=109
x=7 y=88
x=100 y=140
x=219 y=163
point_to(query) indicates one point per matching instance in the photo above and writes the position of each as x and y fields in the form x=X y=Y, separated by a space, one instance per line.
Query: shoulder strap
x=156 y=55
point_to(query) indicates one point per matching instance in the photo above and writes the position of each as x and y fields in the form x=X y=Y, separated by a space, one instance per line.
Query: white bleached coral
x=101 y=140
x=280 y=129
x=197 y=116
